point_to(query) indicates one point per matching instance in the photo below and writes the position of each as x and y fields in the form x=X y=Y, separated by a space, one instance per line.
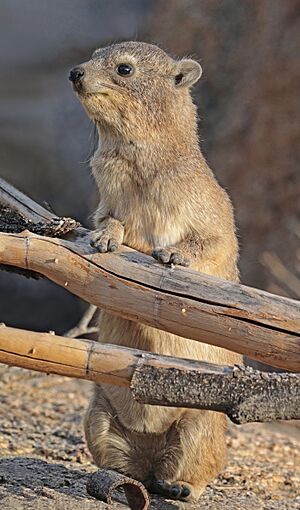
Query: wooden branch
x=83 y=327
x=249 y=321
x=243 y=394
x=193 y=305
x=80 y=358
x=104 y=483
x=18 y=212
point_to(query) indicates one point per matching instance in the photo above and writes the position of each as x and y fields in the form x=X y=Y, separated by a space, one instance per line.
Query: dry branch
x=285 y=277
x=192 y=305
x=249 y=321
x=84 y=326
x=18 y=212
x=243 y=394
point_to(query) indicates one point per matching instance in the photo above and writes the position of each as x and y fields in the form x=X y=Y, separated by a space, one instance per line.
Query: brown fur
x=156 y=193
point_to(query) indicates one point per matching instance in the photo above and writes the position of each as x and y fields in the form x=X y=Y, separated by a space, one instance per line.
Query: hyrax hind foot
x=171 y=255
x=176 y=490
x=108 y=236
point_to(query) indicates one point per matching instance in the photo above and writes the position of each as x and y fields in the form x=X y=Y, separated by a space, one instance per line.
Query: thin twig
x=295 y=228
x=273 y=263
x=83 y=327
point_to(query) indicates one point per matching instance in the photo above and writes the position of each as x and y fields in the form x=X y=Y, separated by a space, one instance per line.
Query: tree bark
x=243 y=394
x=104 y=483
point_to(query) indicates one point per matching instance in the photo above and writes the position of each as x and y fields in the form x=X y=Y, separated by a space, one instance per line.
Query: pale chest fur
x=151 y=214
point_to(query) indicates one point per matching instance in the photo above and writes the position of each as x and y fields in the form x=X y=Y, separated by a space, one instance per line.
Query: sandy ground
x=44 y=462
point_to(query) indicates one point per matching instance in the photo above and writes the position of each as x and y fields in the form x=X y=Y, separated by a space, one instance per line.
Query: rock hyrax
x=157 y=195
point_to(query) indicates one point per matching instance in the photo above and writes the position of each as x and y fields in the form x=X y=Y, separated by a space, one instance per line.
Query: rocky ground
x=44 y=462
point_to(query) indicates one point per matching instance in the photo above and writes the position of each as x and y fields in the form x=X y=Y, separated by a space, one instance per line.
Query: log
x=105 y=483
x=260 y=325
x=245 y=395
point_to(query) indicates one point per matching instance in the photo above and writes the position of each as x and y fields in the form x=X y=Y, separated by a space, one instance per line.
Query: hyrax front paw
x=171 y=255
x=108 y=236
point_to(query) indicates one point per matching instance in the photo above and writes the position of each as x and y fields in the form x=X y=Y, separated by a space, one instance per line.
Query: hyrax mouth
x=78 y=88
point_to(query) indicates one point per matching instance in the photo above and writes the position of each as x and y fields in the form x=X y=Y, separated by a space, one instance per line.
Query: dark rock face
x=249 y=110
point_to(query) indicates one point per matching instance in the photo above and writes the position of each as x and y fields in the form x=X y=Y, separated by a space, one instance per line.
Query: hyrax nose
x=76 y=74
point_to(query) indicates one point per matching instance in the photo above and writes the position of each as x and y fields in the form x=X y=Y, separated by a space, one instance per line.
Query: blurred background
x=249 y=120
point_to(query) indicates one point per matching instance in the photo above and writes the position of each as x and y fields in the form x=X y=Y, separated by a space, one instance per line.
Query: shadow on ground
x=23 y=475
x=35 y=483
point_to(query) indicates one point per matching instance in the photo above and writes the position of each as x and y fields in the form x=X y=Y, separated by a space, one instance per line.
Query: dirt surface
x=44 y=462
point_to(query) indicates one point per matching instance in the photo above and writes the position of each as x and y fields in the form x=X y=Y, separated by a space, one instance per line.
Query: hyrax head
x=132 y=86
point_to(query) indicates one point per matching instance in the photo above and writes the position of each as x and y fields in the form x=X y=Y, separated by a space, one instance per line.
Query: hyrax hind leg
x=177 y=464
x=194 y=456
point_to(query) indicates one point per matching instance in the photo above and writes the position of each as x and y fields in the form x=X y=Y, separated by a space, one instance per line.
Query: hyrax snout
x=76 y=75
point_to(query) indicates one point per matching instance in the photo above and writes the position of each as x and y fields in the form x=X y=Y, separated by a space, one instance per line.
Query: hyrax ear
x=187 y=73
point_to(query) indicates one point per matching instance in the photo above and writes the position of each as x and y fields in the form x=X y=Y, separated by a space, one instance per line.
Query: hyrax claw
x=168 y=256
x=108 y=236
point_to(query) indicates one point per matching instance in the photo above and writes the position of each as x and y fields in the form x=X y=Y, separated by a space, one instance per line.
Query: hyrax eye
x=125 y=70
